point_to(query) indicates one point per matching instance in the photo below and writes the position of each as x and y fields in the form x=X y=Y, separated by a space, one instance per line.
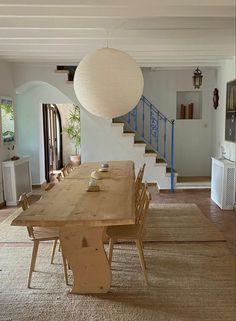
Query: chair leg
x=142 y=247
x=53 y=251
x=141 y=258
x=59 y=248
x=65 y=268
x=110 y=251
x=33 y=261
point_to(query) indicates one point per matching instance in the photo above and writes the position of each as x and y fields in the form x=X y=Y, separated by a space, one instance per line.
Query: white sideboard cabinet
x=223 y=174
x=16 y=179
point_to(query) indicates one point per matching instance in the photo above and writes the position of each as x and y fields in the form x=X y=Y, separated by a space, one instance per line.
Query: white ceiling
x=158 y=33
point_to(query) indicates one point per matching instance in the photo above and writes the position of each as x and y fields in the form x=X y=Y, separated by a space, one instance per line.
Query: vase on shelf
x=190 y=111
x=182 y=111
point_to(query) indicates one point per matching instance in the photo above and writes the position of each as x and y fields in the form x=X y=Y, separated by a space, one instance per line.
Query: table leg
x=84 y=250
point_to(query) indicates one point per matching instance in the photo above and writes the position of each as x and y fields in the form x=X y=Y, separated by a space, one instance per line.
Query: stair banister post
x=150 y=126
x=172 y=155
x=165 y=139
x=157 y=130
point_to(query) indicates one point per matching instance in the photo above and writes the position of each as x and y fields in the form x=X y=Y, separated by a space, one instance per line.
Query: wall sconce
x=197 y=78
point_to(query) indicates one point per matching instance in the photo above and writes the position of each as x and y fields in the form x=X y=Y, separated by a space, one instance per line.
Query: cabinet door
x=231 y=96
x=217 y=183
x=9 y=185
x=22 y=177
x=230 y=126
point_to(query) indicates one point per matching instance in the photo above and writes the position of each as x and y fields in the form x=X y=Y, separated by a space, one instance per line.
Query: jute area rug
x=190 y=270
x=165 y=222
x=188 y=282
x=179 y=222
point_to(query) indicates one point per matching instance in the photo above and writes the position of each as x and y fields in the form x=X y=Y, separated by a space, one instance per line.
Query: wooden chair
x=64 y=171
x=59 y=177
x=69 y=168
x=138 y=181
x=40 y=234
x=132 y=232
x=49 y=186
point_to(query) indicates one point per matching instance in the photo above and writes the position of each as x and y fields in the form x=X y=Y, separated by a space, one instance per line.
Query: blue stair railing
x=155 y=129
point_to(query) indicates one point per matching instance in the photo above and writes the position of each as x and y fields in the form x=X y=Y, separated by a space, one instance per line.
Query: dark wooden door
x=52 y=139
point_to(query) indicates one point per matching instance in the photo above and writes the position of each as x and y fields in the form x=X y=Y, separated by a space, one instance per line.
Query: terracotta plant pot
x=75 y=160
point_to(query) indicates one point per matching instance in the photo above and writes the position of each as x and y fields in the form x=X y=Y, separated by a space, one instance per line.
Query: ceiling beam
x=123 y=24
x=123 y=11
x=95 y=3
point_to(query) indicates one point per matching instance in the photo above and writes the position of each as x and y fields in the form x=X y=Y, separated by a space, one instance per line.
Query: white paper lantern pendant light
x=108 y=83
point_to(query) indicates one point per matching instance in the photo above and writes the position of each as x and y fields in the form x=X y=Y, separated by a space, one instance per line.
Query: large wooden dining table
x=82 y=218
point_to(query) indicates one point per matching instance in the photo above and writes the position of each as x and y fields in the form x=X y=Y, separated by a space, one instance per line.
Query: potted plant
x=72 y=129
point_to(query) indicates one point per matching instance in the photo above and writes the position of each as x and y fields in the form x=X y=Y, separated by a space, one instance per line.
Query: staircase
x=155 y=133
x=151 y=136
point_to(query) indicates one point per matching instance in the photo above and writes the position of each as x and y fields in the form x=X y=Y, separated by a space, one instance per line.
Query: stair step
x=168 y=170
x=160 y=160
x=128 y=132
x=117 y=124
x=194 y=179
x=115 y=121
x=149 y=151
x=150 y=155
x=139 y=142
x=193 y=185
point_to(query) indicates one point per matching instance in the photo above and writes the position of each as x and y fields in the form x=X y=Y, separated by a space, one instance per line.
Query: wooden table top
x=69 y=203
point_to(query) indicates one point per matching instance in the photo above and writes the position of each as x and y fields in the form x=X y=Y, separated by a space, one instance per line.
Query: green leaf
x=73 y=127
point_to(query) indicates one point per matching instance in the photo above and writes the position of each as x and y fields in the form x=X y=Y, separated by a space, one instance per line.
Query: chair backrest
x=142 y=209
x=139 y=197
x=59 y=177
x=24 y=203
x=49 y=186
x=69 y=168
x=138 y=182
x=64 y=171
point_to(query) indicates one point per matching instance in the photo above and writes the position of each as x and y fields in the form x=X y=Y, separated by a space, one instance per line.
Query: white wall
x=30 y=125
x=225 y=73
x=29 y=74
x=6 y=89
x=100 y=141
x=192 y=137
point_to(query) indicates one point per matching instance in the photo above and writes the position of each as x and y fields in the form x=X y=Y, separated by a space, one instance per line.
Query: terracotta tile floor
x=6 y=211
x=224 y=220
